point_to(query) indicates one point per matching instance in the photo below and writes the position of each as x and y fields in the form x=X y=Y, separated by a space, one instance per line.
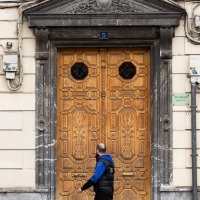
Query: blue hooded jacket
x=100 y=168
x=99 y=171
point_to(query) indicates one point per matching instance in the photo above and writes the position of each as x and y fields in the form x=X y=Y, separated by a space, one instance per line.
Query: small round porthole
x=127 y=70
x=79 y=71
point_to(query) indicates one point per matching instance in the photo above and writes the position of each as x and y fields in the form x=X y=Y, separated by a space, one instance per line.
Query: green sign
x=180 y=99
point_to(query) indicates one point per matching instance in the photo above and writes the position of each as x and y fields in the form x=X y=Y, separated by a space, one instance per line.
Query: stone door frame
x=156 y=35
x=161 y=106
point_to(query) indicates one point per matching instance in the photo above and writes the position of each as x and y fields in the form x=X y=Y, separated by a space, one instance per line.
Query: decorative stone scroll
x=166 y=35
x=41 y=43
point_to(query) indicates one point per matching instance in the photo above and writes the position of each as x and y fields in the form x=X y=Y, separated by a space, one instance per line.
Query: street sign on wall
x=180 y=99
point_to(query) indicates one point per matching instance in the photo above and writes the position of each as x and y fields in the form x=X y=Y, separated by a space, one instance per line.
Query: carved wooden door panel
x=103 y=96
x=128 y=134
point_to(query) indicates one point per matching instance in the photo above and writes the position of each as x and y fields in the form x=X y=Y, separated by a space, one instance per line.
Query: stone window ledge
x=9 y=190
x=166 y=188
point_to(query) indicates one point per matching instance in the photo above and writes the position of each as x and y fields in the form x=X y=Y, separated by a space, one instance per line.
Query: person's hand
x=79 y=190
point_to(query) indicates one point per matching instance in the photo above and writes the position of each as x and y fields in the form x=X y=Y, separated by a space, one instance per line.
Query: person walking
x=103 y=177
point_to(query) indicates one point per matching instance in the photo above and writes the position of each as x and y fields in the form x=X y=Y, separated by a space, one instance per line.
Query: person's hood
x=107 y=157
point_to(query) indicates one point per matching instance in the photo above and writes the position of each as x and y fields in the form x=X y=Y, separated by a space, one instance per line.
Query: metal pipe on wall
x=194 y=141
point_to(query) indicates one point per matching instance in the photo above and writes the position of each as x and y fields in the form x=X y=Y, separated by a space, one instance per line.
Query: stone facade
x=182 y=49
x=17 y=109
x=26 y=172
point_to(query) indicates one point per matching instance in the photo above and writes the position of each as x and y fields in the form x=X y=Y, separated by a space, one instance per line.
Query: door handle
x=80 y=175
x=127 y=174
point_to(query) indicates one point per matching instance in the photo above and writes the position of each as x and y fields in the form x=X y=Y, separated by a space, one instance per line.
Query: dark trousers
x=102 y=196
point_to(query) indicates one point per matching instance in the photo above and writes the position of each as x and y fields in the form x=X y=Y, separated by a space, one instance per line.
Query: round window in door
x=127 y=70
x=79 y=71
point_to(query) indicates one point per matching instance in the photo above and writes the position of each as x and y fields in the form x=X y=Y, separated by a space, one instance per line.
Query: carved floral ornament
x=104 y=3
x=92 y=6
x=62 y=12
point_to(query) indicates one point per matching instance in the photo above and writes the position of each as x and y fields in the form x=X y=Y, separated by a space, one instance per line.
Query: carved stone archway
x=74 y=23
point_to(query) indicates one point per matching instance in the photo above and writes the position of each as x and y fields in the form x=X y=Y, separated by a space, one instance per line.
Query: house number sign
x=103 y=35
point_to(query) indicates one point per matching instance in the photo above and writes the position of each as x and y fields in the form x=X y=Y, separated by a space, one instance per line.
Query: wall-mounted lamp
x=9 y=45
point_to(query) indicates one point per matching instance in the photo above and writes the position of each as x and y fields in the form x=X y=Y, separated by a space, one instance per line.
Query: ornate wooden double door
x=103 y=96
